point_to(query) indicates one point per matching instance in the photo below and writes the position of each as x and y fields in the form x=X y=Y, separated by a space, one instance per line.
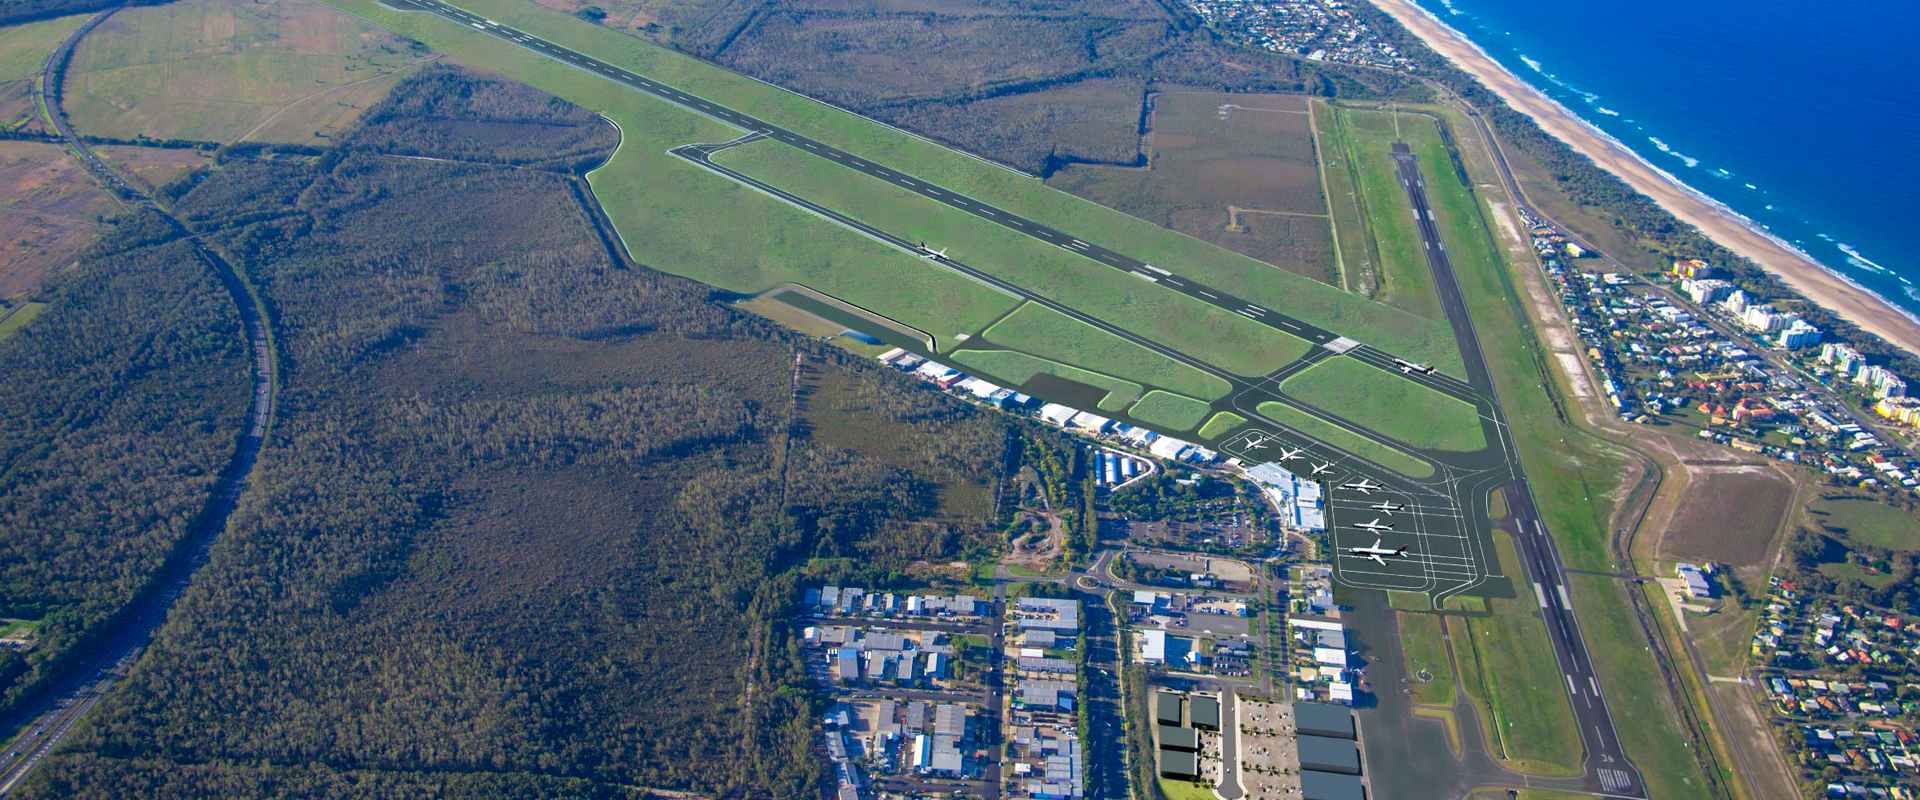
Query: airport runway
x=1460 y=481
x=1607 y=764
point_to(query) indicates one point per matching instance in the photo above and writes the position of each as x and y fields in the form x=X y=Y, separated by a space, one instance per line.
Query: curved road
x=44 y=721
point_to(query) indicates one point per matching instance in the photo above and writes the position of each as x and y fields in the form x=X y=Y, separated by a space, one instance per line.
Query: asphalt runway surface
x=1446 y=521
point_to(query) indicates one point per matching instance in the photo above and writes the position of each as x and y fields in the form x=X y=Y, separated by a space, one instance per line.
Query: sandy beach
x=1829 y=290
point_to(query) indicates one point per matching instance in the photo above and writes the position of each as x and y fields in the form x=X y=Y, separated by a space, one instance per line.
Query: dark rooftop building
x=1328 y=755
x=1322 y=719
x=1172 y=738
x=1330 y=786
x=1176 y=764
x=1167 y=709
x=1206 y=713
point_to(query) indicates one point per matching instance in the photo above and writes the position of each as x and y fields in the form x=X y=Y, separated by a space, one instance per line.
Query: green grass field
x=1204 y=331
x=1361 y=141
x=1170 y=411
x=1868 y=522
x=20 y=318
x=216 y=70
x=1054 y=336
x=1573 y=475
x=1222 y=424
x=1508 y=665
x=1388 y=404
x=1426 y=651
x=1185 y=790
x=1310 y=300
x=24 y=48
x=1346 y=440
x=1019 y=368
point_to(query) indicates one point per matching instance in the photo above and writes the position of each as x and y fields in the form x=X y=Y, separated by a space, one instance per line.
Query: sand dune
x=1818 y=284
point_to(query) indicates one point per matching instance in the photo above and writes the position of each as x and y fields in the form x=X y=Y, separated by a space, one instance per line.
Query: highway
x=1606 y=761
x=43 y=721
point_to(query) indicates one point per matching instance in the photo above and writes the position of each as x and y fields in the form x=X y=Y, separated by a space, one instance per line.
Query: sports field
x=1388 y=404
x=1346 y=440
x=1205 y=331
x=219 y=70
x=1310 y=300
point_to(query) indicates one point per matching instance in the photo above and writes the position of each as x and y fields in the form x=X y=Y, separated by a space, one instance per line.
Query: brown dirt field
x=47 y=210
x=1729 y=514
x=17 y=112
x=153 y=166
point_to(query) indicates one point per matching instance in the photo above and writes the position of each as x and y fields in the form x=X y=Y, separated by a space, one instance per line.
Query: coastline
x=1812 y=280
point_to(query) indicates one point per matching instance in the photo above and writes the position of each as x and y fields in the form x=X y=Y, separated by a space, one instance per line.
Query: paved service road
x=1446 y=510
x=1607 y=764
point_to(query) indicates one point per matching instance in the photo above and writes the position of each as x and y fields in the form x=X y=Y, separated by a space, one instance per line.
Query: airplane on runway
x=930 y=253
x=1363 y=486
x=1325 y=466
x=1375 y=526
x=1387 y=507
x=1410 y=367
x=1376 y=551
x=1289 y=455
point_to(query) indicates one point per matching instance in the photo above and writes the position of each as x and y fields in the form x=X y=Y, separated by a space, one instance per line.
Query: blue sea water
x=1802 y=116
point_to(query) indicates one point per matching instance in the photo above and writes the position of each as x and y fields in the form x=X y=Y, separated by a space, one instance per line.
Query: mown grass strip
x=1019 y=368
x=1343 y=439
x=1388 y=404
x=1222 y=424
x=1170 y=411
x=1052 y=335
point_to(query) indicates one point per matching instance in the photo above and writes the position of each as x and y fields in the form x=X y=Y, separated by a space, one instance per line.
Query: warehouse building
x=1167 y=709
x=1206 y=712
x=1179 y=765
x=1330 y=786
x=1182 y=739
x=1320 y=719
x=1328 y=755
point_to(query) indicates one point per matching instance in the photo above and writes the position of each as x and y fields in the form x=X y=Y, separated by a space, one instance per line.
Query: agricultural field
x=1391 y=268
x=227 y=71
x=1220 y=337
x=1345 y=440
x=1388 y=404
x=1315 y=302
x=23 y=51
x=153 y=167
x=49 y=209
x=1236 y=170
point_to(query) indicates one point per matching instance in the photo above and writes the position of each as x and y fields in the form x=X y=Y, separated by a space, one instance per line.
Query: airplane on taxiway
x=1363 y=486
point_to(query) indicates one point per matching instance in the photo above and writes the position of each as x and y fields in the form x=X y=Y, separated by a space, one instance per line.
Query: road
x=45 y=720
x=1465 y=479
x=1606 y=761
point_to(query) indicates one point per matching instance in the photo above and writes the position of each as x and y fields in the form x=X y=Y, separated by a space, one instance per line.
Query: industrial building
x=1330 y=786
x=1327 y=754
x=1179 y=764
x=1321 y=719
x=1172 y=738
x=1206 y=712
x=1167 y=709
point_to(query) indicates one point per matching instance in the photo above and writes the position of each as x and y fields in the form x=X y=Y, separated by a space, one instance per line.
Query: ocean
x=1800 y=116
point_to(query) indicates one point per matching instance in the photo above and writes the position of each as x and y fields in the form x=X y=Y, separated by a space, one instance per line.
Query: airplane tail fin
x=1402 y=551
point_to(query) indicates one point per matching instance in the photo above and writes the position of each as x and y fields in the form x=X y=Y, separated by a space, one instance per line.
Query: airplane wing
x=1376 y=557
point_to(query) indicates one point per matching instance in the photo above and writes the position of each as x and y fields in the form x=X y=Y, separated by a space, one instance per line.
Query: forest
x=118 y=408
x=532 y=518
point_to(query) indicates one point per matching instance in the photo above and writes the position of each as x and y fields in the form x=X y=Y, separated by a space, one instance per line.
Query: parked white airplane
x=1289 y=455
x=1410 y=367
x=1325 y=466
x=1375 y=526
x=928 y=252
x=1363 y=486
x=1387 y=507
x=1376 y=551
